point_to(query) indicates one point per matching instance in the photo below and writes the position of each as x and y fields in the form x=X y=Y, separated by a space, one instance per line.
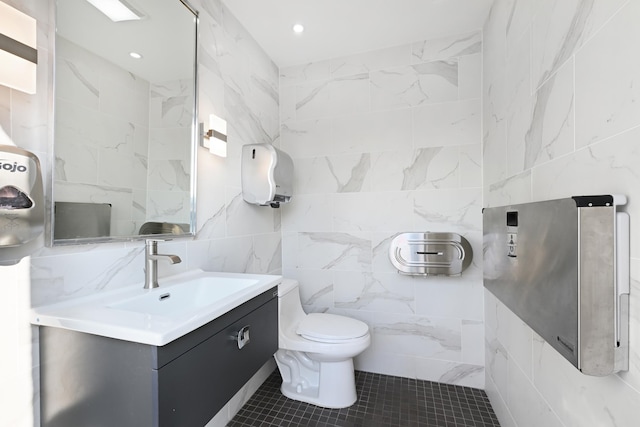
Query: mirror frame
x=195 y=136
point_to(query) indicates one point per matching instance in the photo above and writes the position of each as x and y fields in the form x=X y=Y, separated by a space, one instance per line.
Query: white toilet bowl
x=316 y=351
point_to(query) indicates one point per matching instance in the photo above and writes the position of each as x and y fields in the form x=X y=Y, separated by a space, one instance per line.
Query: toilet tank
x=289 y=305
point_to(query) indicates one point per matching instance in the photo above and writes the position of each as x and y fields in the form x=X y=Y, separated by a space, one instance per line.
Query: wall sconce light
x=215 y=139
x=18 y=54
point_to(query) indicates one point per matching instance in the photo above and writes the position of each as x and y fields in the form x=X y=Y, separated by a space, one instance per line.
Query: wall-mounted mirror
x=125 y=120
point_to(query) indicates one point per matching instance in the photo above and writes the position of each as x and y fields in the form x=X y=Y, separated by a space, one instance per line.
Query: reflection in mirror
x=125 y=122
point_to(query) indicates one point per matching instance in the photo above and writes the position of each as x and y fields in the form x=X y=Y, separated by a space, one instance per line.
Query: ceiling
x=335 y=28
x=166 y=31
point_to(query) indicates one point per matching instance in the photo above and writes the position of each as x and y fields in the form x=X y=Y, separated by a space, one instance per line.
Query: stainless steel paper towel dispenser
x=21 y=197
x=430 y=253
x=267 y=175
x=562 y=266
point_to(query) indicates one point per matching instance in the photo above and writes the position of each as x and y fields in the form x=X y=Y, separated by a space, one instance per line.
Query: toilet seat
x=330 y=328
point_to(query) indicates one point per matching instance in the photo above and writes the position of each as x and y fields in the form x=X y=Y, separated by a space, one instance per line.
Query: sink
x=186 y=297
x=156 y=316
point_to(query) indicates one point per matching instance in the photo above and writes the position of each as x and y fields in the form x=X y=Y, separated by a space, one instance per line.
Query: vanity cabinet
x=90 y=380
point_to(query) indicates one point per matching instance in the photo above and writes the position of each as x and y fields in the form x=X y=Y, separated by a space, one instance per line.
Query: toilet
x=316 y=351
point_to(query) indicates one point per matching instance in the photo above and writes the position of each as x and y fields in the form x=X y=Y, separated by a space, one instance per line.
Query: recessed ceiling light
x=135 y=55
x=298 y=28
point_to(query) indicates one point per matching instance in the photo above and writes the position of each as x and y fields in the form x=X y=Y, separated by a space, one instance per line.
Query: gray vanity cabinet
x=89 y=380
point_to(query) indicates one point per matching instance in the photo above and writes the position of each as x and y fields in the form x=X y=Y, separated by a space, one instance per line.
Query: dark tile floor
x=382 y=401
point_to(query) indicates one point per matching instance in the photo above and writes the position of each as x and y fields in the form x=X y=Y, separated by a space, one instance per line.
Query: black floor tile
x=383 y=401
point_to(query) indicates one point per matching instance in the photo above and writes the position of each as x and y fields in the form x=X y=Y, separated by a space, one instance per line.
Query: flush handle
x=242 y=338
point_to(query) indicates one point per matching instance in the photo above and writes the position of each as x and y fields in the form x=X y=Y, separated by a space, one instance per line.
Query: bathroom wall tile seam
x=583 y=43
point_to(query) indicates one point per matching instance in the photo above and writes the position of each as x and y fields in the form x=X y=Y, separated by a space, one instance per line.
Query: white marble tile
x=497 y=362
x=448 y=297
x=371 y=132
x=402 y=87
x=446 y=47
x=313 y=100
x=76 y=162
x=494 y=130
x=349 y=95
x=316 y=287
x=306 y=138
x=609 y=167
x=171 y=104
x=498 y=404
x=470 y=165
x=342 y=174
x=369 y=61
x=372 y=211
x=298 y=74
x=473 y=342
x=379 y=292
x=426 y=168
x=580 y=399
x=470 y=76
x=267 y=254
x=287 y=103
x=169 y=206
x=454 y=123
x=528 y=407
x=442 y=371
x=57 y=278
x=290 y=251
x=551 y=131
x=386 y=362
x=517 y=338
x=211 y=204
x=561 y=27
x=77 y=74
x=248 y=126
x=632 y=376
x=516 y=189
x=308 y=213
x=607 y=70
x=116 y=169
x=381 y=243
x=436 y=338
x=519 y=22
x=448 y=210
x=494 y=42
x=334 y=251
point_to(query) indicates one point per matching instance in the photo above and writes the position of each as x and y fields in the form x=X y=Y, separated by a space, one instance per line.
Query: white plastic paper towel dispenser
x=267 y=175
x=21 y=197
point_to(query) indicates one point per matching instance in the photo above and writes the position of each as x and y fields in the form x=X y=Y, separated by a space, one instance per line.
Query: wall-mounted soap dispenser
x=21 y=200
x=267 y=175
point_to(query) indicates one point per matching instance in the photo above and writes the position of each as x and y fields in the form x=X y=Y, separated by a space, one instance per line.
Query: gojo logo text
x=12 y=167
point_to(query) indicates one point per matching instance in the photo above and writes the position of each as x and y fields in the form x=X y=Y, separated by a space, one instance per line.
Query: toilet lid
x=325 y=327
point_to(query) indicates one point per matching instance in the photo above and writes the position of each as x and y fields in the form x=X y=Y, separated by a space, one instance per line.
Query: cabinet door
x=196 y=385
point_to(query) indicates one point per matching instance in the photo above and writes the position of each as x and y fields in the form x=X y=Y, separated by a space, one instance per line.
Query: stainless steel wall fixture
x=562 y=266
x=430 y=253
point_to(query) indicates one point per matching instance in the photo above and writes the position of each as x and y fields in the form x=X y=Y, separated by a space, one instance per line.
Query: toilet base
x=326 y=384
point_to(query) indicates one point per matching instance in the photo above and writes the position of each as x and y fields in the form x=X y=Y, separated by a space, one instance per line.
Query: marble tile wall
x=237 y=82
x=122 y=153
x=384 y=142
x=560 y=118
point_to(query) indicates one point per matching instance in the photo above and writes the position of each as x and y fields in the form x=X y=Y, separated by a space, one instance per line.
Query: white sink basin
x=158 y=316
x=185 y=297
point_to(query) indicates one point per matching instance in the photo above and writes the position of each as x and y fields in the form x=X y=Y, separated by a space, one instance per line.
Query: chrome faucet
x=152 y=256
